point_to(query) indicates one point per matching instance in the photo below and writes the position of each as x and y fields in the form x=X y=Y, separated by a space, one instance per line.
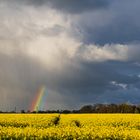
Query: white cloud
x=104 y=53
x=122 y=85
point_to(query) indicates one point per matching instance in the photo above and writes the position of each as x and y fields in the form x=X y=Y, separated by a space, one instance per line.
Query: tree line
x=110 y=108
x=96 y=108
x=103 y=108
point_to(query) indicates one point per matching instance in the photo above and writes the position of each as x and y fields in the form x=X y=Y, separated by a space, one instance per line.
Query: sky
x=82 y=51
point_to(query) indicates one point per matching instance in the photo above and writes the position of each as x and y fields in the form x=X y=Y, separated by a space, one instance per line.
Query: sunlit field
x=70 y=126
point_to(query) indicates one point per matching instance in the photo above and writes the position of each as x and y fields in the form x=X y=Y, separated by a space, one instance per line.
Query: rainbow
x=39 y=101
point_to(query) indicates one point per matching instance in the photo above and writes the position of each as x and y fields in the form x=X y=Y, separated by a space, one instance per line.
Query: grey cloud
x=119 y=32
x=120 y=96
x=117 y=24
x=72 y=6
x=94 y=85
x=69 y=6
x=54 y=31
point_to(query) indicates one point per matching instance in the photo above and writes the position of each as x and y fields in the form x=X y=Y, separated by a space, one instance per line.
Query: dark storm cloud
x=117 y=24
x=118 y=31
x=69 y=6
x=72 y=6
x=92 y=83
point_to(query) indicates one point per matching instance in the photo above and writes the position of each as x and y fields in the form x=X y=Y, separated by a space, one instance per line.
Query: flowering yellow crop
x=70 y=127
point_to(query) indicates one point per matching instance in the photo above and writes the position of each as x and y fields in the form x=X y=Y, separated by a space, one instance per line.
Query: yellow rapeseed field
x=70 y=126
